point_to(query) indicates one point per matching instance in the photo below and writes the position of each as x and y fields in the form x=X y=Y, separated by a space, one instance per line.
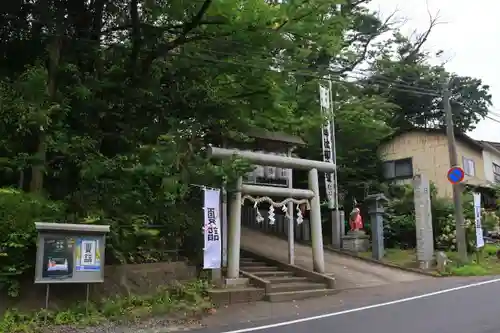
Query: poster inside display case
x=58 y=255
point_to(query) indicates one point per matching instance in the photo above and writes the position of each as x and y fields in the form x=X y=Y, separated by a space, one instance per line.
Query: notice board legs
x=47 y=295
x=87 y=296
x=47 y=298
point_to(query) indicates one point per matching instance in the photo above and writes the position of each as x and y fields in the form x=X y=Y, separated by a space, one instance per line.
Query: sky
x=468 y=36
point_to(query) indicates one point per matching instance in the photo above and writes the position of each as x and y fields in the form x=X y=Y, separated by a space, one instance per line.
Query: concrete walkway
x=349 y=272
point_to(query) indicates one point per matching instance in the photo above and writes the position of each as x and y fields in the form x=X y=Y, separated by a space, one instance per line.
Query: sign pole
x=87 y=298
x=47 y=295
x=291 y=225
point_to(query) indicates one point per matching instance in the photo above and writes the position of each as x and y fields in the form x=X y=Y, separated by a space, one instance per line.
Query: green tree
x=108 y=105
x=415 y=86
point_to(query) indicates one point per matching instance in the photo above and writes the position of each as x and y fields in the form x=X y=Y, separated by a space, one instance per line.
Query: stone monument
x=356 y=239
x=423 y=221
x=441 y=261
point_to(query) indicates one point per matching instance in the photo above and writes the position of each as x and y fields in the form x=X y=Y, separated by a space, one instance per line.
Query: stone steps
x=299 y=294
x=244 y=294
x=260 y=268
x=294 y=286
x=284 y=285
x=285 y=279
x=271 y=274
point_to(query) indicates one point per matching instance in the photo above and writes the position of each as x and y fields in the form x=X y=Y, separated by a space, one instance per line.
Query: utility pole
x=457 y=191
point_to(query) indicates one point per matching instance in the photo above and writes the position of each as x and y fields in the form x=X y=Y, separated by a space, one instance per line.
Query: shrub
x=399 y=226
x=185 y=300
x=400 y=222
x=18 y=213
x=447 y=236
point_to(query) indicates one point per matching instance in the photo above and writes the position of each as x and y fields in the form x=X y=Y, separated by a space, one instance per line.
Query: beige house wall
x=490 y=157
x=429 y=153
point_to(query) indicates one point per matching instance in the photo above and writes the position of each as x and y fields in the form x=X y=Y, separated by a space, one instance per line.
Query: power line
x=303 y=73
x=270 y=60
x=397 y=86
x=493 y=119
x=312 y=74
x=494 y=113
x=266 y=55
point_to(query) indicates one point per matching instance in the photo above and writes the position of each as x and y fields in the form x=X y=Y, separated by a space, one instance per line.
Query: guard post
x=70 y=253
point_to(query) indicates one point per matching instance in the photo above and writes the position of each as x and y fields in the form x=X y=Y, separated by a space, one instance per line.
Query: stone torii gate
x=312 y=194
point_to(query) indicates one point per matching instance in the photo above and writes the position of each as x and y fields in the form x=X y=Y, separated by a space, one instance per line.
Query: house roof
x=280 y=137
x=494 y=146
x=464 y=138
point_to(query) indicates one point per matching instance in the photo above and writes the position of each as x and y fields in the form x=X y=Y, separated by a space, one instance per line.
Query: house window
x=496 y=173
x=398 y=169
x=469 y=166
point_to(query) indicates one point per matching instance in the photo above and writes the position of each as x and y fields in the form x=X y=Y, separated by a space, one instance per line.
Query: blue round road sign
x=456 y=175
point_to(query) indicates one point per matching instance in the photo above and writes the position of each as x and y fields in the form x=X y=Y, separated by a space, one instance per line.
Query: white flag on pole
x=213 y=241
x=477 y=215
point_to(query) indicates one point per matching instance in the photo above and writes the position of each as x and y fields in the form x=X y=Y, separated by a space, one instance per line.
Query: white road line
x=363 y=308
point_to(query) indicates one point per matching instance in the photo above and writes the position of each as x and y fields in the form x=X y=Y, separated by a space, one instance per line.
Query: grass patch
x=469 y=270
x=189 y=299
x=403 y=258
x=485 y=262
x=482 y=263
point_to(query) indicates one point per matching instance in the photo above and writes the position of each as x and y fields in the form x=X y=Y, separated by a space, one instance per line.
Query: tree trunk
x=38 y=169
x=20 y=183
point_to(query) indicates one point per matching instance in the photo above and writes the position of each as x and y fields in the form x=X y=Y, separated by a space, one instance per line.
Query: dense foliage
x=18 y=212
x=106 y=106
x=400 y=229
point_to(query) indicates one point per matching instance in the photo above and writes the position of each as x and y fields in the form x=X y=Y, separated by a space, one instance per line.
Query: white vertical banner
x=477 y=218
x=326 y=143
x=211 y=227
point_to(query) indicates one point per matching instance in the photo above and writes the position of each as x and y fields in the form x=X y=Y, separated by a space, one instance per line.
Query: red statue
x=355 y=220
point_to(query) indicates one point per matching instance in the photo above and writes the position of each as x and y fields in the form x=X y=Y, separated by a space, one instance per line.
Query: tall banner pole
x=330 y=155
x=326 y=142
x=334 y=142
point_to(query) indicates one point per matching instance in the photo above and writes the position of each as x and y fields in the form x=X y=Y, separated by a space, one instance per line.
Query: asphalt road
x=469 y=309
